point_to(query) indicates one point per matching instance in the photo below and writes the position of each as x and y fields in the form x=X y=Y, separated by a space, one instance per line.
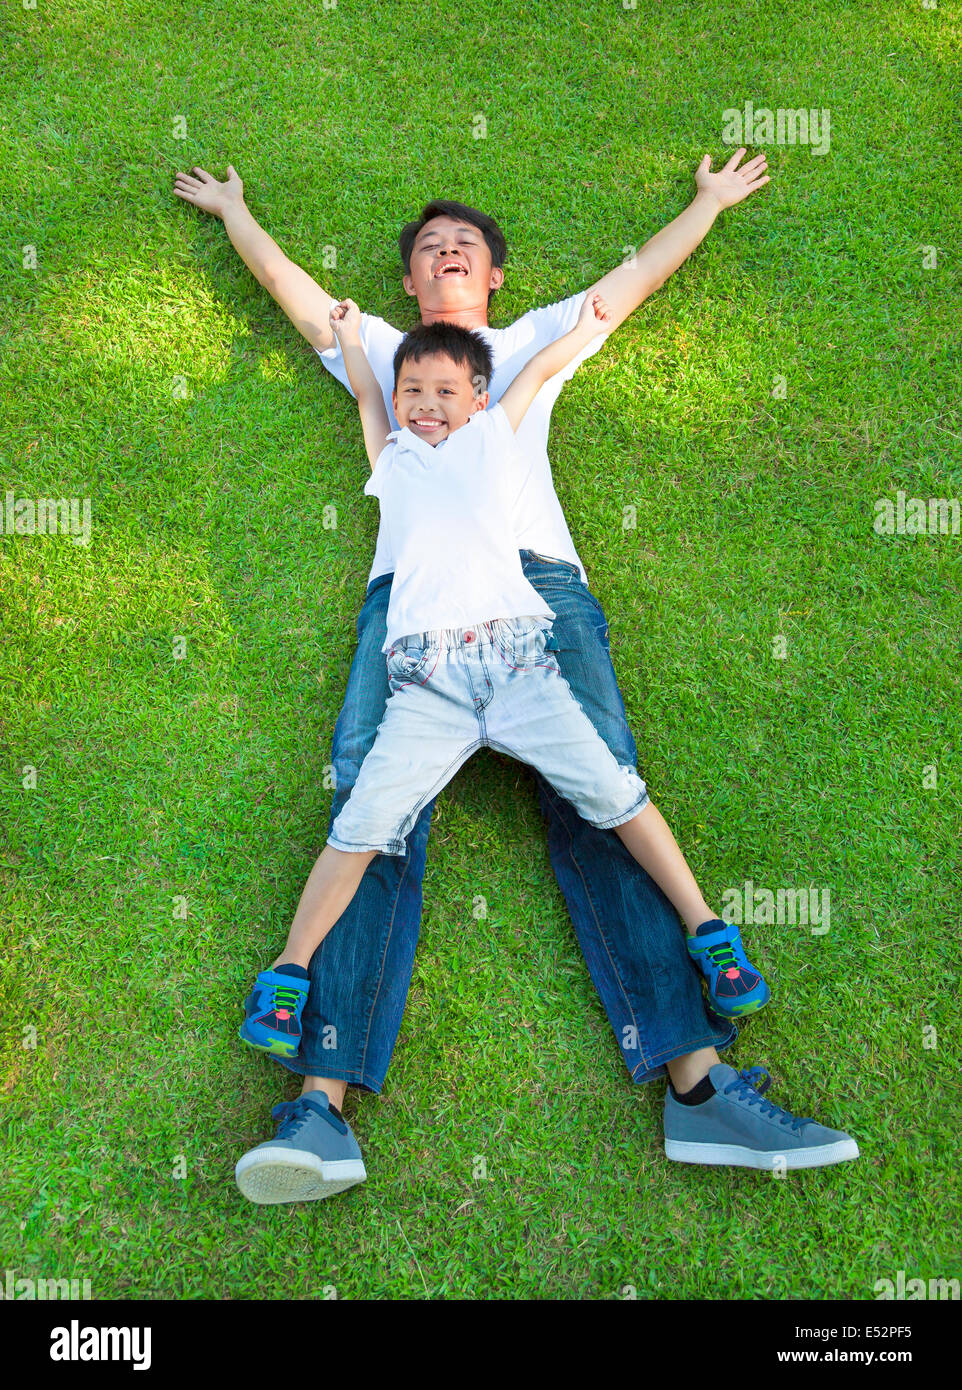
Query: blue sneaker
x=274 y=1007
x=734 y=985
x=737 y=1125
x=313 y=1154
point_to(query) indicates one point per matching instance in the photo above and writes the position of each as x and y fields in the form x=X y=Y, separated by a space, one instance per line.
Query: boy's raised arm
x=594 y=318
x=345 y=319
x=304 y=302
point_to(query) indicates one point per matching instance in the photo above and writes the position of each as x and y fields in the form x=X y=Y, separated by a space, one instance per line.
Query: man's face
x=451 y=267
x=435 y=396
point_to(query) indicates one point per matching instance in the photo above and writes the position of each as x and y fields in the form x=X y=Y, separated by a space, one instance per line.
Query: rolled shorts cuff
x=612 y=821
x=392 y=847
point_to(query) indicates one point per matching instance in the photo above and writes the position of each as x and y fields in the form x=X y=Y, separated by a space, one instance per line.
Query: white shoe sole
x=272 y=1175
x=684 y=1151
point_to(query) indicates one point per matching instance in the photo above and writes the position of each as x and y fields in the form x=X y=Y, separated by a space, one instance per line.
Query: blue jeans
x=632 y=940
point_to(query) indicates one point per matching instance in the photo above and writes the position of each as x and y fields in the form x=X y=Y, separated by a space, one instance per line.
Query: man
x=631 y=938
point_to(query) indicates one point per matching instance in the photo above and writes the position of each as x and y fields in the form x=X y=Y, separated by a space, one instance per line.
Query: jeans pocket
x=521 y=627
x=523 y=642
x=581 y=623
x=406 y=664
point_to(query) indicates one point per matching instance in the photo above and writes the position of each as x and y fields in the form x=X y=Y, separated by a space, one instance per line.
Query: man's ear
x=408 y=284
x=497 y=278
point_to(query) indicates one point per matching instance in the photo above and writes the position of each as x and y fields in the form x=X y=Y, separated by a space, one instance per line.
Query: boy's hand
x=207 y=193
x=731 y=184
x=594 y=312
x=346 y=322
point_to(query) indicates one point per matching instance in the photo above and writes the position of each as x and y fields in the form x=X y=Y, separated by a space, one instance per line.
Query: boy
x=467 y=652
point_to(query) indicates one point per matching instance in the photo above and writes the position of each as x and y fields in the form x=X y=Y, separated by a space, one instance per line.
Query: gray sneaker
x=313 y=1154
x=736 y=1125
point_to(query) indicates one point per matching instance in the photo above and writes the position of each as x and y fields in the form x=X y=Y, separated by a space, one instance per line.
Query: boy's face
x=435 y=396
x=451 y=267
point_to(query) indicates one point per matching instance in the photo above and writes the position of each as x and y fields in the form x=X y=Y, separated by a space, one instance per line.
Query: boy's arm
x=594 y=318
x=304 y=302
x=345 y=320
x=629 y=284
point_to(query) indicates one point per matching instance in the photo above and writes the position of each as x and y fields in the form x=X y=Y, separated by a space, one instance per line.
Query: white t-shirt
x=538 y=520
x=446 y=517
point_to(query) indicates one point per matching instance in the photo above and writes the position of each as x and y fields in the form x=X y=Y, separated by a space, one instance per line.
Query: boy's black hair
x=465 y=348
x=446 y=207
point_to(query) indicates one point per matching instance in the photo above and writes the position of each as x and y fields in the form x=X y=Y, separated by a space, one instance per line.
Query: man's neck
x=471 y=316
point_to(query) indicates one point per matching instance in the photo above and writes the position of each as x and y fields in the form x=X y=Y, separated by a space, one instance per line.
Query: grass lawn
x=144 y=368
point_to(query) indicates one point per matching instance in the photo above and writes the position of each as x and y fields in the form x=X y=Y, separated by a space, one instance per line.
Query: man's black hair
x=446 y=207
x=464 y=347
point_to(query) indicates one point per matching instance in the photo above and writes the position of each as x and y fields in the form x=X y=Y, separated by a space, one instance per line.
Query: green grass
x=204 y=777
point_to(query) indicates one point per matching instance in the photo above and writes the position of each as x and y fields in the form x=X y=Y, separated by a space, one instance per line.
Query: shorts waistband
x=480 y=634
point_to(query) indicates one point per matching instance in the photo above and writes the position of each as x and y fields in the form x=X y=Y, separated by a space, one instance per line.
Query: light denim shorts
x=454 y=690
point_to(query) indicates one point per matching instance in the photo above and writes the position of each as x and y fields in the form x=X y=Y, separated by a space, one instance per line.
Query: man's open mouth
x=451 y=268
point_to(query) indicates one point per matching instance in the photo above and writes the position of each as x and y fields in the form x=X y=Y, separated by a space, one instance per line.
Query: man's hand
x=302 y=299
x=730 y=184
x=209 y=194
x=346 y=323
x=630 y=283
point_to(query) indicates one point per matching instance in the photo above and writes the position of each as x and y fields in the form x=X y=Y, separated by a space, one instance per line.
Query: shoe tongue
x=722 y=1074
x=709 y=928
x=316 y=1098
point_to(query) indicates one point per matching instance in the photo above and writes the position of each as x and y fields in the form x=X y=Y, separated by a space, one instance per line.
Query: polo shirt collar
x=407 y=441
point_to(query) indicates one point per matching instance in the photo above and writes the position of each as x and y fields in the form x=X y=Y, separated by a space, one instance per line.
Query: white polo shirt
x=537 y=519
x=446 y=518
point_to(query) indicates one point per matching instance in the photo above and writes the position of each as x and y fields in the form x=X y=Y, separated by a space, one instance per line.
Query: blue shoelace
x=294 y=1113
x=745 y=1082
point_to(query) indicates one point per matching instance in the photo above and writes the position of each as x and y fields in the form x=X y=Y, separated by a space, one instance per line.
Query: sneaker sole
x=275 y=1048
x=741 y=1010
x=269 y=1176
x=684 y=1151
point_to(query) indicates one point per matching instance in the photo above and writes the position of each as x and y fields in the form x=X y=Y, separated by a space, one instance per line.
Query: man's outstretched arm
x=304 y=302
x=628 y=285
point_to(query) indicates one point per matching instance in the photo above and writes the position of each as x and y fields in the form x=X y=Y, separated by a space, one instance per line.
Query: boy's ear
x=479 y=391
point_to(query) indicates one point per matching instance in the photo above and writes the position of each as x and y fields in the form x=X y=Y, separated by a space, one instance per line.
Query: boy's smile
x=434 y=397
